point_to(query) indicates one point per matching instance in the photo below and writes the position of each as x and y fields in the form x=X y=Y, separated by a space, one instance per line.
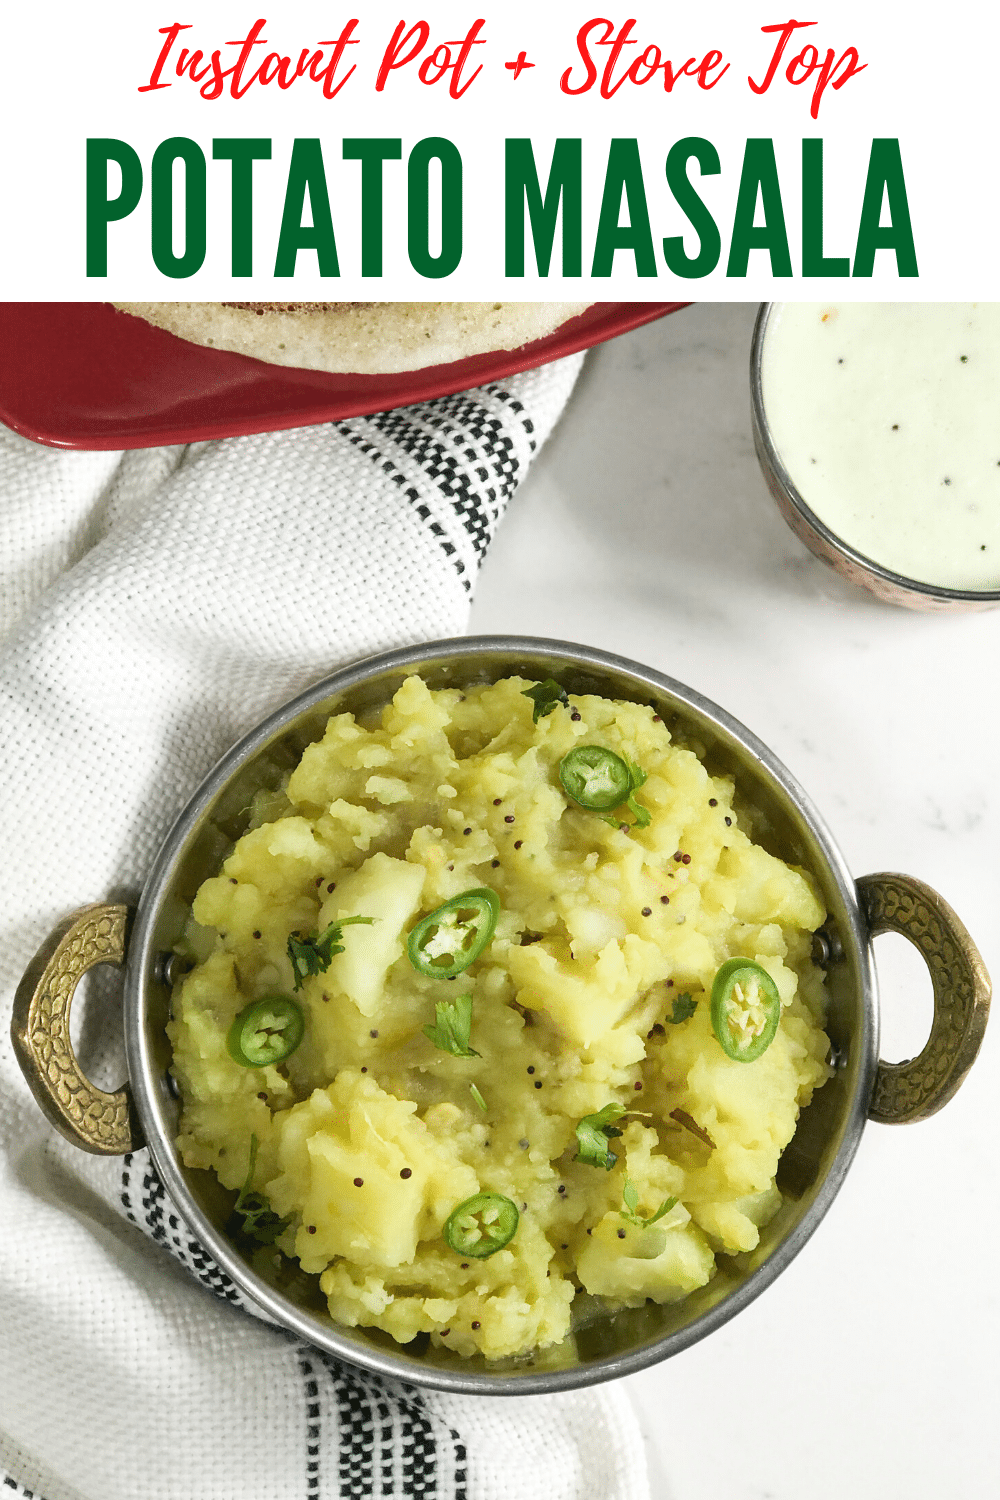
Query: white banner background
x=82 y=78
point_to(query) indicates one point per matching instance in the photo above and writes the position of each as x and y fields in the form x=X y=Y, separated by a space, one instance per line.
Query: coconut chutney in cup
x=878 y=429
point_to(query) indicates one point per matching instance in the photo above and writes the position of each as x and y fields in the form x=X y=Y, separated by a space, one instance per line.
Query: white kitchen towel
x=155 y=605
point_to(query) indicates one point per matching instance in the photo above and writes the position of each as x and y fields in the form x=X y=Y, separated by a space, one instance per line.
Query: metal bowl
x=812 y=1167
x=890 y=587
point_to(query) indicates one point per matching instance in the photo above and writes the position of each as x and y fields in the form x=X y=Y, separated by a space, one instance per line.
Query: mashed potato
x=594 y=990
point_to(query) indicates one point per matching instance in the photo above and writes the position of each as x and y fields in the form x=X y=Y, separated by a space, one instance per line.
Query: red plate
x=81 y=375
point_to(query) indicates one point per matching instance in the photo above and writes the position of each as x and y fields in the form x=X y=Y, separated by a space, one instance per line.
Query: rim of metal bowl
x=762 y=435
x=142 y=960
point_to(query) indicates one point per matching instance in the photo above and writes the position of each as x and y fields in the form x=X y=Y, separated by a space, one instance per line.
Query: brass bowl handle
x=102 y=1123
x=916 y=1089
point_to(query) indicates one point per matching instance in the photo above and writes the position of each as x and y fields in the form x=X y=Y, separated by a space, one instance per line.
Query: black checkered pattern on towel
x=472 y=445
x=382 y=1440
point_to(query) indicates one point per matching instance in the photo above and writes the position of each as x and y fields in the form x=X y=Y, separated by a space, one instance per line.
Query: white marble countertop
x=869 y=1368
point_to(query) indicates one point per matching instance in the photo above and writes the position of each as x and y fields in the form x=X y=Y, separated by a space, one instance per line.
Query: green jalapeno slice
x=481 y=1225
x=453 y=936
x=746 y=1008
x=596 y=778
x=266 y=1031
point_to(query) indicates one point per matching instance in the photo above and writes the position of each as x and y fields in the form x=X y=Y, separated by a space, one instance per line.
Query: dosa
x=365 y=338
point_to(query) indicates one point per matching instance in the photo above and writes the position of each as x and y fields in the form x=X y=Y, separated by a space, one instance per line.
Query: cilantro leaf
x=453 y=1026
x=643 y=816
x=260 y=1222
x=630 y=1212
x=545 y=696
x=593 y=1134
x=684 y=1008
x=312 y=953
x=256 y=1218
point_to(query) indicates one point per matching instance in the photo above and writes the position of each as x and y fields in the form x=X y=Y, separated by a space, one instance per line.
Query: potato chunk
x=367 y=1176
x=629 y=1264
x=388 y=890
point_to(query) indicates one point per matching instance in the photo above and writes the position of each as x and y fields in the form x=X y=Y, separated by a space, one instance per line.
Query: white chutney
x=886 y=417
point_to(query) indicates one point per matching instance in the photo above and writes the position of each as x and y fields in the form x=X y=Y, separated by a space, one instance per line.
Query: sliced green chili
x=481 y=1225
x=746 y=1008
x=595 y=778
x=266 y=1031
x=452 y=937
